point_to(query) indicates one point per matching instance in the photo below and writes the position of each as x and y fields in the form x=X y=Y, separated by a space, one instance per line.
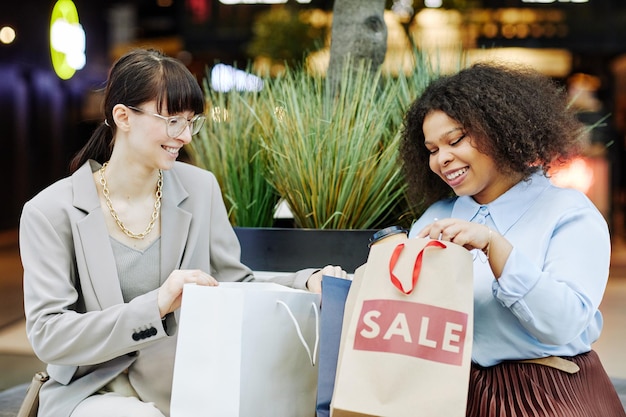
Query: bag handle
x=30 y=404
x=300 y=336
x=417 y=267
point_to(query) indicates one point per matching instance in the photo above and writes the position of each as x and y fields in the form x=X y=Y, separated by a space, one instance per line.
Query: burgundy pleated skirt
x=513 y=389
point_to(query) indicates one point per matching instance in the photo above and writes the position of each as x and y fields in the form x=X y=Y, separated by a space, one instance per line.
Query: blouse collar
x=507 y=209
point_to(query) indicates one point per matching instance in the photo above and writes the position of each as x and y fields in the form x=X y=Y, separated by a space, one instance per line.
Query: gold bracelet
x=486 y=248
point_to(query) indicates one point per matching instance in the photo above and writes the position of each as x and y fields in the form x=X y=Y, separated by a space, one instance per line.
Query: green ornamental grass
x=228 y=145
x=332 y=157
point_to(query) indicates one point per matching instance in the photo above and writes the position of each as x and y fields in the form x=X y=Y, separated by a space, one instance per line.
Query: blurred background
x=46 y=116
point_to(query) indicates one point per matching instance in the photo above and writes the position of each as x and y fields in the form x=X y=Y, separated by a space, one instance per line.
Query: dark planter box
x=292 y=249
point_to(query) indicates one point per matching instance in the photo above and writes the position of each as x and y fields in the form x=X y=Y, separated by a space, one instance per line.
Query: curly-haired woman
x=476 y=148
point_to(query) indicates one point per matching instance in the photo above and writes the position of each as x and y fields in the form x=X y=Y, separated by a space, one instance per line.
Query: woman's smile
x=456 y=176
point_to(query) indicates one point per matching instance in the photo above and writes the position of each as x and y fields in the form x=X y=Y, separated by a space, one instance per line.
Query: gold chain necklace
x=155 y=213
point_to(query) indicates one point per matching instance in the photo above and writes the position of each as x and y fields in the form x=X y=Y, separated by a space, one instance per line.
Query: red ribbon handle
x=417 y=267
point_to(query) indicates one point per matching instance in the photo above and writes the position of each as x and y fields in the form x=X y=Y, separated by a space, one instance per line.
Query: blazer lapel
x=94 y=240
x=175 y=223
x=94 y=236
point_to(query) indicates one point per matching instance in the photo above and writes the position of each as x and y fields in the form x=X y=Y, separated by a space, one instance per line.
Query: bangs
x=179 y=90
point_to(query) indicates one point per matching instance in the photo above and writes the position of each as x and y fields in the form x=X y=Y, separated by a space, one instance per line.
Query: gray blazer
x=76 y=319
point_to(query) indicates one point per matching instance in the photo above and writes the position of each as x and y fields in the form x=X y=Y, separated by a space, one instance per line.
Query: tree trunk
x=359 y=32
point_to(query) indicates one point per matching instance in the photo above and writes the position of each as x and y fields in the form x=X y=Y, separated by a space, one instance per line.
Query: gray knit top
x=139 y=271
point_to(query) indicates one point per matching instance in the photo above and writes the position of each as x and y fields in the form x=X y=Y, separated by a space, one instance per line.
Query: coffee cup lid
x=387 y=231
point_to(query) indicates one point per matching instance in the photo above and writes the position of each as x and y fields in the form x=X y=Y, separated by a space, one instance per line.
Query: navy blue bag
x=334 y=294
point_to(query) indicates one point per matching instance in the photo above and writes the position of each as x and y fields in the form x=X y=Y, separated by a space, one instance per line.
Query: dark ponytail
x=98 y=148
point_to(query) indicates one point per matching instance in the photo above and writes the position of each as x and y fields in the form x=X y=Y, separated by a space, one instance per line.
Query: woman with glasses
x=106 y=251
x=478 y=147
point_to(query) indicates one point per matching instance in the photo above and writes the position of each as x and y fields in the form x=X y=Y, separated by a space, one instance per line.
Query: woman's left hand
x=314 y=283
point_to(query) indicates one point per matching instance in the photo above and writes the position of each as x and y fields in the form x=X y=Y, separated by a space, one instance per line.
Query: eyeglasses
x=176 y=125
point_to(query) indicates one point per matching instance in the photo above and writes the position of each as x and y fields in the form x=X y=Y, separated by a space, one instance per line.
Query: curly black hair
x=517 y=116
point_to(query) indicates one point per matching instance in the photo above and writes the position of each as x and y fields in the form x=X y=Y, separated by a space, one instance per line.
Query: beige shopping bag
x=406 y=344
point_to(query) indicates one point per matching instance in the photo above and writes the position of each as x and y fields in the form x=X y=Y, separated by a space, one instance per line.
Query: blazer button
x=144 y=334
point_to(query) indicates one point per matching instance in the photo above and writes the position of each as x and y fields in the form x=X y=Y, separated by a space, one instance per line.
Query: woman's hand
x=463 y=233
x=314 y=283
x=170 y=293
x=472 y=236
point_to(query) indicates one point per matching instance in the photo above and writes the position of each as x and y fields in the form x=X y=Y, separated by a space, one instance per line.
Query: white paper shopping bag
x=246 y=350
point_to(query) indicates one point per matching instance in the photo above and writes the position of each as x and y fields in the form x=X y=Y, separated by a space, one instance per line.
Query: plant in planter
x=332 y=157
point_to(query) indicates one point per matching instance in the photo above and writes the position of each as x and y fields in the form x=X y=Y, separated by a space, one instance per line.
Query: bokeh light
x=225 y=78
x=67 y=40
x=7 y=35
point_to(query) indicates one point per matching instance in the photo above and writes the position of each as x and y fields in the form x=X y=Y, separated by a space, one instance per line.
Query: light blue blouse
x=546 y=301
